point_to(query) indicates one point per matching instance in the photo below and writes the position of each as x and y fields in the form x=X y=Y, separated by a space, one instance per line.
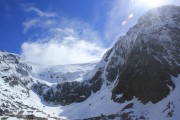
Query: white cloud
x=64 y=41
x=37 y=22
x=29 y=24
x=40 y=13
x=65 y=46
x=41 y=19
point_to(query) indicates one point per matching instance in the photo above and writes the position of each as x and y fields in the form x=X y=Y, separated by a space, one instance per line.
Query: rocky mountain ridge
x=153 y=58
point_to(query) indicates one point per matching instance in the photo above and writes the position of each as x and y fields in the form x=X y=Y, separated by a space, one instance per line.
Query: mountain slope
x=16 y=97
x=144 y=64
x=153 y=57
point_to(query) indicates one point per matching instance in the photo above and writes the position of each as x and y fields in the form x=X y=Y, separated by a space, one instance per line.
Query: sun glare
x=151 y=3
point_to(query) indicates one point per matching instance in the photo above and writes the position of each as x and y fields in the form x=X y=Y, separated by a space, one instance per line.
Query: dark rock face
x=152 y=60
x=96 y=82
x=144 y=77
x=39 y=87
x=69 y=92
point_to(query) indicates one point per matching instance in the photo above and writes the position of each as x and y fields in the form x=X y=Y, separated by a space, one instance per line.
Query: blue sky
x=67 y=31
x=12 y=15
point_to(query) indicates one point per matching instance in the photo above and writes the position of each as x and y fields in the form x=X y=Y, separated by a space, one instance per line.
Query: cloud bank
x=69 y=50
x=63 y=41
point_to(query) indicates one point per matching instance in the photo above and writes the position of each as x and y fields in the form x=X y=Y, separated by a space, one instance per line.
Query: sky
x=57 y=32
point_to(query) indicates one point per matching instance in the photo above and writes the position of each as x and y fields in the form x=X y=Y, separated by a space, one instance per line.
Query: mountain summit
x=138 y=78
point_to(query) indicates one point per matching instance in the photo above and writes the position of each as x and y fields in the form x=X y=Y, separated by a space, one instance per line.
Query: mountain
x=152 y=58
x=138 y=78
x=16 y=95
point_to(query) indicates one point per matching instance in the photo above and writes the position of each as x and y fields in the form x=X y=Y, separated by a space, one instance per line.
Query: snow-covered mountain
x=150 y=55
x=16 y=96
x=138 y=78
x=63 y=73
